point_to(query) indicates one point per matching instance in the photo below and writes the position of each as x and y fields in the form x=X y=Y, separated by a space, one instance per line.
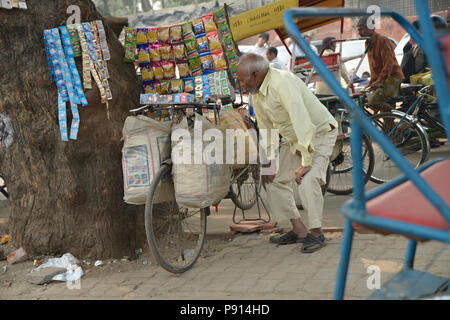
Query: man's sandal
x=313 y=243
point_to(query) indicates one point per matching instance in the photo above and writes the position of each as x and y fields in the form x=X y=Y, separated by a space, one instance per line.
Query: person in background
x=322 y=88
x=386 y=74
x=261 y=45
x=308 y=133
x=271 y=55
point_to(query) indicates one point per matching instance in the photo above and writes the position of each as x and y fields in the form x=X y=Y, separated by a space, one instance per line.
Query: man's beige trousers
x=284 y=191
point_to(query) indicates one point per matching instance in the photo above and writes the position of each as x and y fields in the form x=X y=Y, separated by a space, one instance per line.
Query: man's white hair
x=251 y=62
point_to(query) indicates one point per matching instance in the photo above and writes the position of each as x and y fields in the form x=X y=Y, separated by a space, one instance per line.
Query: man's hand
x=300 y=172
x=374 y=86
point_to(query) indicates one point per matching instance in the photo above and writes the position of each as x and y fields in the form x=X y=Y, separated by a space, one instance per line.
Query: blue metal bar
x=438 y=68
x=346 y=248
x=357 y=172
x=412 y=107
x=410 y=254
x=357 y=114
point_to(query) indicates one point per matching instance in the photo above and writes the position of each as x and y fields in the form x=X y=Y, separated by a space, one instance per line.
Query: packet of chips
x=229 y=45
x=207 y=62
x=189 y=85
x=208 y=22
x=130 y=37
x=225 y=33
x=191 y=47
x=166 y=52
x=75 y=40
x=146 y=71
x=187 y=29
x=129 y=54
x=175 y=33
x=176 y=86
x=143 y=54
x=198 y=26
x=141 y=35
x=148 y=86
x=158 y=71
x=220 y=17
x=214 y=41
x=152 y=35
x=169 y=69
x=202 y=43
x=219 y=60
x=196 y=72
x=155 y=54
x=183 y=69
x=195 y=64
x=178 y=51
x=163 y=34
x=233 y=58
x=157 y=86
x=165 y=86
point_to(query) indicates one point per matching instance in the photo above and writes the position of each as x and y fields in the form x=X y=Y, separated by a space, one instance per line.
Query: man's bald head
x=251 y=71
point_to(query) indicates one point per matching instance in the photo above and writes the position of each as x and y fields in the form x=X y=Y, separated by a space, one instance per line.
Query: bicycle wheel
x=341 y=179
x=244 y=188
x=406 y=136
x=3 y=188
x=175 y=234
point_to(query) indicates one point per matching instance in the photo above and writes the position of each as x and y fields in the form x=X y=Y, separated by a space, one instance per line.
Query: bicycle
x=176 y=234
x=405 y=131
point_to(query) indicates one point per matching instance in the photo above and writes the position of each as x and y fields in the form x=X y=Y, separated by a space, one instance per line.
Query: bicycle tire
x=407 y=137
x=345 y=172
x=246 y=203
x=174 y=247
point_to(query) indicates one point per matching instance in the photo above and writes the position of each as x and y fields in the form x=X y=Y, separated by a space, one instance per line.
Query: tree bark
x=64 y=196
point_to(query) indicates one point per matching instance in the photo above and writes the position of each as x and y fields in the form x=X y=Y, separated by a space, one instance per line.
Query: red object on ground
x=17 y=256
x=252 y=226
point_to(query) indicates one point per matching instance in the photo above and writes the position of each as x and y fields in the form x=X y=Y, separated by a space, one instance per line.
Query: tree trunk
x=65 y=196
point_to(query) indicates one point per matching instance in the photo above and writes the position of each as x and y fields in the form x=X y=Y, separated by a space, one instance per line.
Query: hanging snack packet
x=176 y=86
x=143 y=54
x=183 y=69
x=220 y=16
x=207 y=62
x=158 y=71
x=198 y=26
x=229 y=45
x=178 y=51
x=166 y=52
x=148 y=86
x=191 y=48
x=233 y=58
x=169 y=69
x=146 y=71
x=129 y=54
x=214 y=41
x=74 y=40
x=165 y=86
x=202 y=43
x=157 y=86
x=175 y=34
x=141 y=35
x=155 y=54
x=208 y=22
x=225 y=32
x=219 y=61
x=152 y=35
x=130 y=37
x=186 y=29
x=195 y=64
x=163 y=34
x=189 y=85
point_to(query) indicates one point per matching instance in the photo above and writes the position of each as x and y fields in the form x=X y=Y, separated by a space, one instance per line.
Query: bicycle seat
x=405 y=203
x=409 y=89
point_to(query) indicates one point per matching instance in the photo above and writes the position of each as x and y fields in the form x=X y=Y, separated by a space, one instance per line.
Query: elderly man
x=308 y=133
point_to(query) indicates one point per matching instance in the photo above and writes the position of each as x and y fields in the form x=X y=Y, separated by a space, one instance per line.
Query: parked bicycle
x=176 y=234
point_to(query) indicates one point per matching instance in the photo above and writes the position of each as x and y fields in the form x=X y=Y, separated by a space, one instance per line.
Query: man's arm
x=388 y=57
x=290 y=96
